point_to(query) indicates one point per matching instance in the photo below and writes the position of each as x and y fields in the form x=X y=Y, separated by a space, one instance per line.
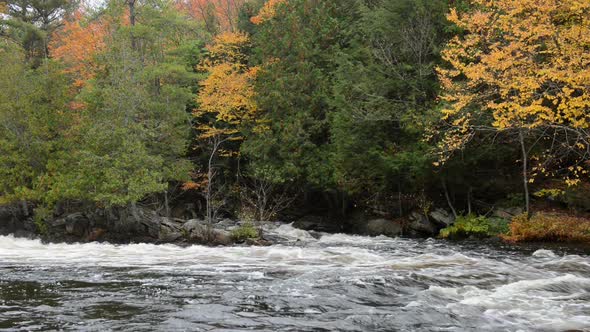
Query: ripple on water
x=334 y=283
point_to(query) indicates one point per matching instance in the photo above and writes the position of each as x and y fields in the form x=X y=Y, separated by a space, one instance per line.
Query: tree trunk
x=449 y=202
x=524 y=171
x=131 y=4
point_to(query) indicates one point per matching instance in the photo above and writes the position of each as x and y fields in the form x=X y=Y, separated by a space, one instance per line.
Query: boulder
x=197 y=231
x=507 y=213
x=76 y=224
x=419 y=225
x=442 y=217
x=220 y=237
x=14 y=220
x=385 y=227
x=170 y=230
x=318 y=224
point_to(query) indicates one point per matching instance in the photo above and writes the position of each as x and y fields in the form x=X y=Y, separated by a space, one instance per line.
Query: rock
x=442 y=217
x=385 y=227
x=170 y=230
x=197 y=231
x=317 y=223
x=76 y=224
x=221 y=238
x=228 y=224
x=96 y=234
x=14 y=220
x=419 y=225
x=507 y=213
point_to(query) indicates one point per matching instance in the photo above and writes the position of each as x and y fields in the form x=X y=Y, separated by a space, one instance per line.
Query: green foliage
x=134 y=130
x=42 y=214
x=246 y=231
x=33 y=120
x=474 y=226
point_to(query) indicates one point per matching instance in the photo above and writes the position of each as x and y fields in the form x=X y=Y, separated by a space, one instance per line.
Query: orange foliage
x=77 y=44
x=224 y=11
x=549 y=227
x=267 y=12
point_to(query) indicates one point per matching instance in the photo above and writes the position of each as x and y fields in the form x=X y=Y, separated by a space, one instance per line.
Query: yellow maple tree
x=526 y=63
x=227 y=94
x=522 y=66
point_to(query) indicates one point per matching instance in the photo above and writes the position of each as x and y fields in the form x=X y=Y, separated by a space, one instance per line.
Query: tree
x=267 y=11
x=217 y=15
x=132 y=136
x=32 y=23
x=384 y=90
x=33 y=118
x=77 y=44
x=518 y=66
x=225 y=100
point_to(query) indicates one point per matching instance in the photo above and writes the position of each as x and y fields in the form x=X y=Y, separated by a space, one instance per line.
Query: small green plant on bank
x=475 y=226
x=41 y=214
x=245 y=232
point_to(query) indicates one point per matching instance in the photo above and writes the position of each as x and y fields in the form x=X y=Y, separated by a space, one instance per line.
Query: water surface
x=335 y=283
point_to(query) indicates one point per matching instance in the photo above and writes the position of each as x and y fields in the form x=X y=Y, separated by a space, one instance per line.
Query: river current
x=334 y=283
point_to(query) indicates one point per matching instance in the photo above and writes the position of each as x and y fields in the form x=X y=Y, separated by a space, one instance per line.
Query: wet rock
x=385 y=227
x=442 y=217
x=14 y=220
x=76 y=224
x=318 y=224
x=221 y=238
x=507 y=213
x=420 y=225
x=170 y=230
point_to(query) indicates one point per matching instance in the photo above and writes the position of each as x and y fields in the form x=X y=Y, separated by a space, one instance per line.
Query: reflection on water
x=336 y=283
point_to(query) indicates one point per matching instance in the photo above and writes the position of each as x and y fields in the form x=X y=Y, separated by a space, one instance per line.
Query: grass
x=245 y=232
x=549 y=227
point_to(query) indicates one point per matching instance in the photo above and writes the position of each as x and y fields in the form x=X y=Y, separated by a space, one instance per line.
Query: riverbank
x=146 y=226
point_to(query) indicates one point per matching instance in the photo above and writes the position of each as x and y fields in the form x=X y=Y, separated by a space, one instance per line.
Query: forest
x=273 y=110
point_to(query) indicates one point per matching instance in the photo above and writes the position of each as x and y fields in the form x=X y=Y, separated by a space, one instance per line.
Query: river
x=334 y=283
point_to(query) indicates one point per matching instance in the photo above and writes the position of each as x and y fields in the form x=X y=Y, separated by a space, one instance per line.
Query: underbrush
x=474 y=226
x=549 y=227
x=245 y=232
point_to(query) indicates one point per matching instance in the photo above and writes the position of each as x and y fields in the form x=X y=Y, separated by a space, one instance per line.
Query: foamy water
x=334 y=283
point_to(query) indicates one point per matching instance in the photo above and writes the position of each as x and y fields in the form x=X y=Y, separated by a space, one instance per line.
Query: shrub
x=245 y=232
x=474 y=226
x=549 y=227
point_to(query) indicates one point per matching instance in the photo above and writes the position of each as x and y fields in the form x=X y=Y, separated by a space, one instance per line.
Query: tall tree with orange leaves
x=77 y=44
x=521 y=66
x=217 y=15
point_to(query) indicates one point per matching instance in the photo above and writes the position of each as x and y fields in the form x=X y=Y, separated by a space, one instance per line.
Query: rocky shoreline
x=146 y=226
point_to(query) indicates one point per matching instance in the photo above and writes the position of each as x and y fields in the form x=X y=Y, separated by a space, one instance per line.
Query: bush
x=473 y=226
x=245 y=232
x=552 y=227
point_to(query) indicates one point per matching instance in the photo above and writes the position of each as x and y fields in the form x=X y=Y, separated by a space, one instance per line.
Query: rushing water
x=335 y=283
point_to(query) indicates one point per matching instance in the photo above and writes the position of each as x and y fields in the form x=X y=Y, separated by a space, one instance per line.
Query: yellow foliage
x=267 y=12
x=227 y=94
x=526 y=62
